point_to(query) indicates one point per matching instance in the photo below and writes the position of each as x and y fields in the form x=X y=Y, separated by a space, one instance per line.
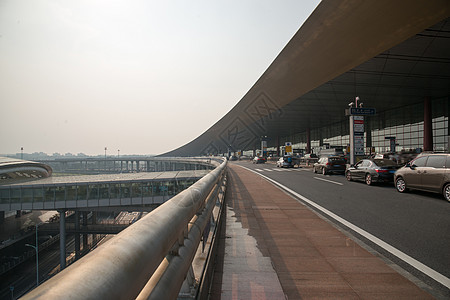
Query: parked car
x=285 y=161
x=427 y=172
x=372 y=170
x=310 y=158
x=330 y=164
x=259 y=160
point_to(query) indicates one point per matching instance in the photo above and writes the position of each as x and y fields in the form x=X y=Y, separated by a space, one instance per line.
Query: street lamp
x=21 y=152
x=105 y=157
x=118 y=152
x=36 y=248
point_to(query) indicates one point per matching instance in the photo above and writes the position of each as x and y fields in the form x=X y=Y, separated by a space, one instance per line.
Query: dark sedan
x=372 y=170
x=330 y=164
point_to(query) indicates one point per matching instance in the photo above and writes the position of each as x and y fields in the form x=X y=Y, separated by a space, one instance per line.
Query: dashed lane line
x=330 y=181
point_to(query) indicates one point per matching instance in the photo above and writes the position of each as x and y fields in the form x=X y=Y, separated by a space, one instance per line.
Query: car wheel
x=369 y=179
x=348 y=175
x=324 y=171
x=400 y=185
x=447 y=192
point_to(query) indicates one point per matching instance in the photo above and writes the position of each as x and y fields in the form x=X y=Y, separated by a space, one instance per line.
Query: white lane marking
x=330 y=181
x=394 y=251
x=279 y=170
x=259 y=170
x=269 y=170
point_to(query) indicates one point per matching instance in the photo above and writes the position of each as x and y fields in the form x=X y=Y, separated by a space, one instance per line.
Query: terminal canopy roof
x=389 y=53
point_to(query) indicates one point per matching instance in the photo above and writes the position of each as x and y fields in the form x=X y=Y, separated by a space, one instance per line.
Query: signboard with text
x=358 y=131
x=264 y=148
x=362 y=111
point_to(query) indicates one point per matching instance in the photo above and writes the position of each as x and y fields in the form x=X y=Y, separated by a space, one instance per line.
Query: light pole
x=21 y=152
x=105 y=157
x=118 y=153
x=36 y=248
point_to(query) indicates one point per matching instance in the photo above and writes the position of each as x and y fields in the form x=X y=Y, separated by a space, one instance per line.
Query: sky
x=140 y=76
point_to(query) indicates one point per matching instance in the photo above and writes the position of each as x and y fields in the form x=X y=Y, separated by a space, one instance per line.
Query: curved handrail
x=121 y=268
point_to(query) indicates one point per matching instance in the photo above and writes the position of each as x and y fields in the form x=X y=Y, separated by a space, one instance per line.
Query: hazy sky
x=144 y=76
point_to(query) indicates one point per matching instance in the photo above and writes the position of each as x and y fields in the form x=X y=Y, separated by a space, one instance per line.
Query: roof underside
x=389 y=53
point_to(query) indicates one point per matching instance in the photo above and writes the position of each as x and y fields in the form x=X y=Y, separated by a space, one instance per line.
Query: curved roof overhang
x=15 y=169
x=389 y=53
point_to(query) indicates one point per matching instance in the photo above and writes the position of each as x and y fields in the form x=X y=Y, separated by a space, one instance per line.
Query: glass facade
x=405 y=124
x=129 y=190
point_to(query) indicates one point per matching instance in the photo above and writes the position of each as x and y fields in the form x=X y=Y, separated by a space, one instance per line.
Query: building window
x=93 y=192
x=49 y=194
x=114 y=190
x=82 y=192
x=71 y=191
x=125 y=190
x=4 y=196
x=27 y=195
x=38 y=194
x=136 y=190
x=60 y=193
x=103 y=191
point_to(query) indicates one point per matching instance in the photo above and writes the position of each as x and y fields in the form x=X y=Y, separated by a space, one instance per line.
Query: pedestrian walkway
x=277 y=248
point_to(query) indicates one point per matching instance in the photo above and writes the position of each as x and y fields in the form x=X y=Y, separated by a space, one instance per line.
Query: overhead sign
x=362 y=111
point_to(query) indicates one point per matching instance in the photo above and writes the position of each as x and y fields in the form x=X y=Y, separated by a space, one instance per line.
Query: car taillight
x=328 y=163
x=381 y=171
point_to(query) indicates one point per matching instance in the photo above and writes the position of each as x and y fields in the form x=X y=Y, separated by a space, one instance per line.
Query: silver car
x=285 y=161
x=427 y=172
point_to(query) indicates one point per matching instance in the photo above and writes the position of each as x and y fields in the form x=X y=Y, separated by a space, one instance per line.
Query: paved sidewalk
x=277 y=248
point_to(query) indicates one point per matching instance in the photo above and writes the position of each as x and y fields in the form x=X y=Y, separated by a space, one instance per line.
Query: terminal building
x=389 y=56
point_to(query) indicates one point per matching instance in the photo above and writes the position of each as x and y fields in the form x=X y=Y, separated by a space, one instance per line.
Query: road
x=415 y=223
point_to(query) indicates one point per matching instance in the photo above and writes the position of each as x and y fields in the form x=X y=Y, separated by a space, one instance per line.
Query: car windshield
x=336 y=160
x=384 y=162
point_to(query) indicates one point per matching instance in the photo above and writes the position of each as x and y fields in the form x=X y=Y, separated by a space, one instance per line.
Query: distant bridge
x=124 y=164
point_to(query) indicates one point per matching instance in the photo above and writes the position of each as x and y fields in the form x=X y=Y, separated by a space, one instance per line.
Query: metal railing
x=149 y=259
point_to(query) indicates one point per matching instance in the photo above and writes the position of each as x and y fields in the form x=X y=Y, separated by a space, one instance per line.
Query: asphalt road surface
x=415 y=223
